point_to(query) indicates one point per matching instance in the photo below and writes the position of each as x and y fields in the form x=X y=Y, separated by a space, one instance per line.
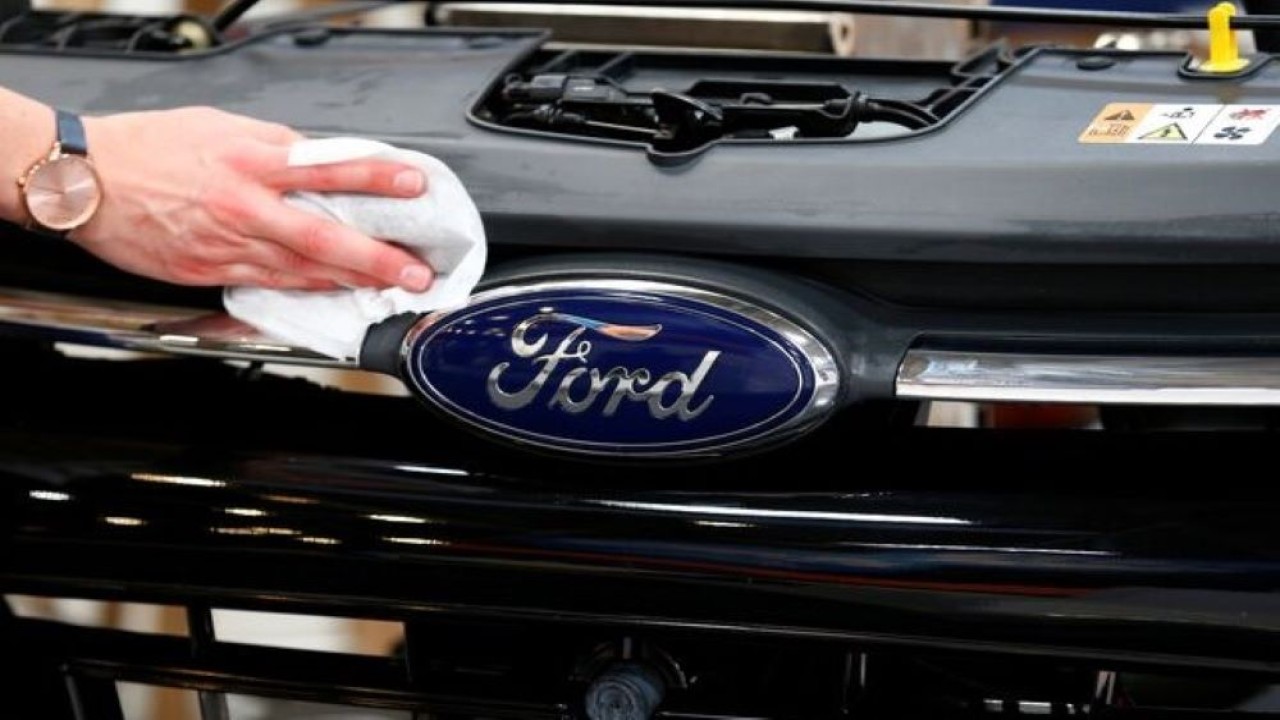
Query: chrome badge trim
x=620 y=386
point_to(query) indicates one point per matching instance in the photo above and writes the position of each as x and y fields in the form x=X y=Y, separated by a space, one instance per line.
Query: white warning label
x=1241 y=125
x=1182 y=124
x=1173 y=124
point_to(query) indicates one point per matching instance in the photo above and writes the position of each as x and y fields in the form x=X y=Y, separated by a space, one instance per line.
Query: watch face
x=63 y=194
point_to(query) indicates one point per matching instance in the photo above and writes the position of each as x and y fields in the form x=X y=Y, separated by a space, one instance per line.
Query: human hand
x=195 y=196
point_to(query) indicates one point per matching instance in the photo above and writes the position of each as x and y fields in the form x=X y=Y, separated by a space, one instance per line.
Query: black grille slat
x=93 y=698
x=470 y=668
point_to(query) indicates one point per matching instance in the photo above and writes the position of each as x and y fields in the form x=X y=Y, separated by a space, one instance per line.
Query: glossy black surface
x=186 y=480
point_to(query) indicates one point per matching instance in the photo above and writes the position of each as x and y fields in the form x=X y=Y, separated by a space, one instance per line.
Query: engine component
x=612 y=98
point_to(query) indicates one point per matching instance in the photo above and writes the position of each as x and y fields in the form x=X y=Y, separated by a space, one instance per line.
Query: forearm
x=26 y=133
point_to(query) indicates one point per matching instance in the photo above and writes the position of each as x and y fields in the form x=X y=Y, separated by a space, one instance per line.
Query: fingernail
x=416 y=278
x=409 y=182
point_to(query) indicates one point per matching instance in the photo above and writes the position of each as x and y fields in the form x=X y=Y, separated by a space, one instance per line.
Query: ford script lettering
x=621 y=368
x=618 y=384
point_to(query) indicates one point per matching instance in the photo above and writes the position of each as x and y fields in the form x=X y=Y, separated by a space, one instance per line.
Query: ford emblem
x=622 y=367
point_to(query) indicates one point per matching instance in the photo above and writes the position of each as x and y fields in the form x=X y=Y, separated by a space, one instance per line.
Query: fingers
x=336 y=245
x=368 y=177
x=269 y=132
x=269 y=255
x=269 y=163
x=321 y=248
x=258 y=276
x=265 y=264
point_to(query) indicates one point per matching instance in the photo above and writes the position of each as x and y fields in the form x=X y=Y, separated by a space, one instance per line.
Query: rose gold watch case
x=63 y=192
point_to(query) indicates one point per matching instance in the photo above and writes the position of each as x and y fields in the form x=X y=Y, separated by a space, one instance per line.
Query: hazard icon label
x=1173 y=124
x=1241 y=125
x=1182 y=124
x=1115 y=123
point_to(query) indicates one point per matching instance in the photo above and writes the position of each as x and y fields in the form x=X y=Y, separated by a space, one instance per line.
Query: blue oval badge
x=622 y=367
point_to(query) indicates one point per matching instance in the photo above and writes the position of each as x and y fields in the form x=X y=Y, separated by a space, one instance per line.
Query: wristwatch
x=62 y=191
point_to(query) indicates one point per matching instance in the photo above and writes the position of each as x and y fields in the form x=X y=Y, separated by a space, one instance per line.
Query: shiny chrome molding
x=147 y=328
x=1089 y=379
x=923 y=375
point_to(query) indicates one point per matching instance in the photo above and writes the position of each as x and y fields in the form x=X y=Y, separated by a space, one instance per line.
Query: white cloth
x=442 y=227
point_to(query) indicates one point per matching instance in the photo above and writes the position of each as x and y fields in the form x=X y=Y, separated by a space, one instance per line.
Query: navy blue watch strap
x=71 y=135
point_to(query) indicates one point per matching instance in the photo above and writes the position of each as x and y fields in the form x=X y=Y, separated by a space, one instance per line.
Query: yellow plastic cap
x=1224 y=53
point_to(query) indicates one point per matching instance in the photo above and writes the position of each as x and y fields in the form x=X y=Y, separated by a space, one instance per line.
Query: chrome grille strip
x=923 y=375
x=149 y=328
x=1088 y=379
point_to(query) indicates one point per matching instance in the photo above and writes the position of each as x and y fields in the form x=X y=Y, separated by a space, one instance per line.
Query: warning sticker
x=1115 y=122
x=1241 y=125
x=1173 y=124
x=1182 y=124
x=1169 y=132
